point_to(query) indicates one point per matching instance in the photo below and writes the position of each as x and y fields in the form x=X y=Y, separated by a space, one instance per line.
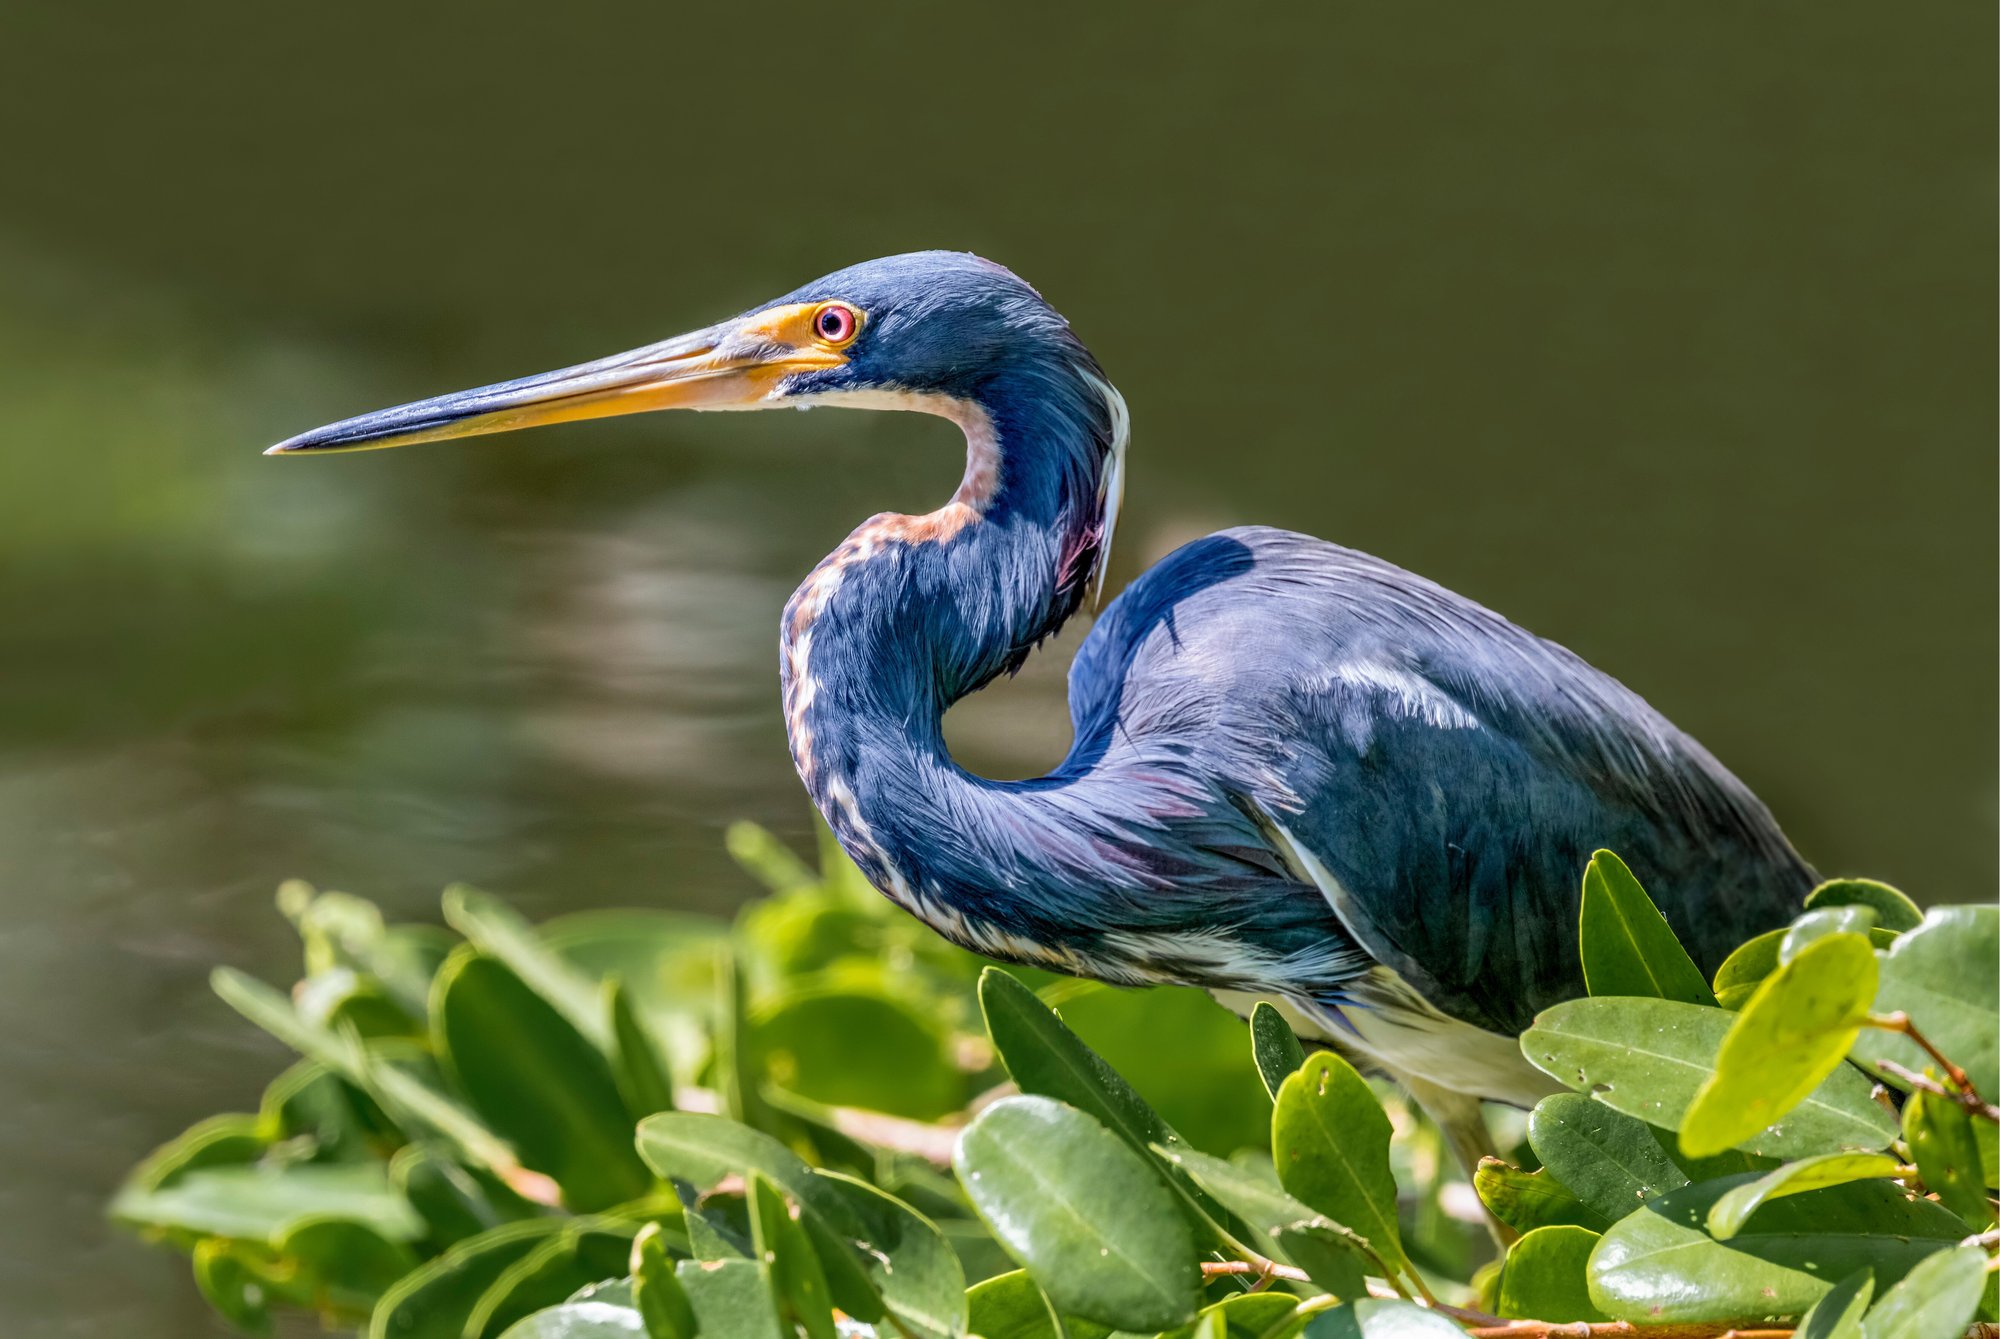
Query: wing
x=1449 y=772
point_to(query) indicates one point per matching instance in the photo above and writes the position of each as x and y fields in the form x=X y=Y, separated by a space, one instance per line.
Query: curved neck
x=911 y=613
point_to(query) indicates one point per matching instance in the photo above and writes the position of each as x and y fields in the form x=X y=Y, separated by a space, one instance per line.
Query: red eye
x=835 y=324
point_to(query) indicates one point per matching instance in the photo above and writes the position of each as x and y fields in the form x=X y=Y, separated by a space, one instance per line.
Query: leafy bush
x=841 y=1122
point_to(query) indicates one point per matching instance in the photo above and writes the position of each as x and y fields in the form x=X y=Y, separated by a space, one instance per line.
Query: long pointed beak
x=738 y=364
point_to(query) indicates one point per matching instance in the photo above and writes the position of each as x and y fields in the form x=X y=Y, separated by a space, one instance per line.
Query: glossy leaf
x=1660 y=1266
x=637 y=1067
x=1044 y=1057
x=1525 y=1201
x=1837 y=1314
x=1275 y=1047
x=1204 y=1086
x=1613 y=1162
x=782 y=1245
x=1893 y=910
x=1786 y=1042
x=876 y=1251
x=1626 y=945
x=1245 y=1316
x=1727 y=1216
x=503 y=934
x=1647 y=1058
x=1010 y=1306
x=730 y=1298
x=1940 y=1134
x=1087 y=1216
x=1817 y=925
x=656 y=1289
x=579 y=1320
x=436 y=1300
x=1545 y=1277
x=1335 y=1257
x=804 y=1041
x=1745 y=969
x=537 y=1081
x=396 y=1090
x=259 y=1202
x=704 y=1150
x=909 y=1260
x=1330 y=1140
x=1941 y=974
x=1381 y=1318
x=1935 y=1300
x=553 y=1270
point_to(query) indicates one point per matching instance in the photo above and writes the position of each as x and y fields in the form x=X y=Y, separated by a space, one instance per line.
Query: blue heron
x=1298 y=772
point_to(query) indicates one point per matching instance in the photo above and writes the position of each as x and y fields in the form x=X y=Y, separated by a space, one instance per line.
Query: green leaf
x=1544 y=1277
x=1382 y=1318
x=1626 y=944
x=501 y=933
x=1940 y=1135
x=667 y=961
x=877 y=1252
x=805 y=1041
x=534 y=1079
x=1745 y=969
x=918 y=1273
x=228 y=1283
x=1785 y=1043
x=782 y=1245
x=731 y=1299
x=1044 y=1057
x=1647 y=1058
x=1525 y=1201
x=1893 y=910
x=1661 y=1267
x=584 y=1252
x=1730 y=1212
x=1837 y=1314
x=1010 y=1306
x=656 y=1290
x=1941 y=974
x=767 y=859
x=1087 y=1216
x=637 y=1067
x=1816 y=925
x=349 y=1264
x=1330 y=1140
x=1246 y=1316
x=436 y=1300
x=398 y=1092
x=1335 y=1257
x=579 y=1320
x=1611 y=1161
x=1935 y=1300
x=1275 y=1046
x=229 y=1139
x=259 y=1202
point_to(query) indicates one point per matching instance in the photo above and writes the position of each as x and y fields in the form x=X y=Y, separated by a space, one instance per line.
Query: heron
x=1298 y=773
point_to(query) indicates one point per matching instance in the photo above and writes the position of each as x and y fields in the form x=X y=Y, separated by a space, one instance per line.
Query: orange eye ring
x=836 y=324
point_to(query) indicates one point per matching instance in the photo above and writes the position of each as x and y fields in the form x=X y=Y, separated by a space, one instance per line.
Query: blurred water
x=1670 y=338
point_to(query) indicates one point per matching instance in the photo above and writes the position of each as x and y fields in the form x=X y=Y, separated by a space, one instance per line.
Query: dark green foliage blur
x=823 y=1121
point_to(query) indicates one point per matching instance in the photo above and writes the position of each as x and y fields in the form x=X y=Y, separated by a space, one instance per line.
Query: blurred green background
x=1667 y=330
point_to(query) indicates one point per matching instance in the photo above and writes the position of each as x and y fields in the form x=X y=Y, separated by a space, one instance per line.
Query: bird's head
x=929 y=330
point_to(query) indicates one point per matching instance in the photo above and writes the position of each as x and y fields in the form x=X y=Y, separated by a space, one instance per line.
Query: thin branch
x=1900 y=1022
x=1967 y=1099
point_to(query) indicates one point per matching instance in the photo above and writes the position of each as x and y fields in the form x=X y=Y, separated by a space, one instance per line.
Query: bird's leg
x=1460 y=1117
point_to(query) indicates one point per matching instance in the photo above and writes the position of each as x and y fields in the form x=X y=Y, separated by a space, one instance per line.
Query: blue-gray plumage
x=1298 y=772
